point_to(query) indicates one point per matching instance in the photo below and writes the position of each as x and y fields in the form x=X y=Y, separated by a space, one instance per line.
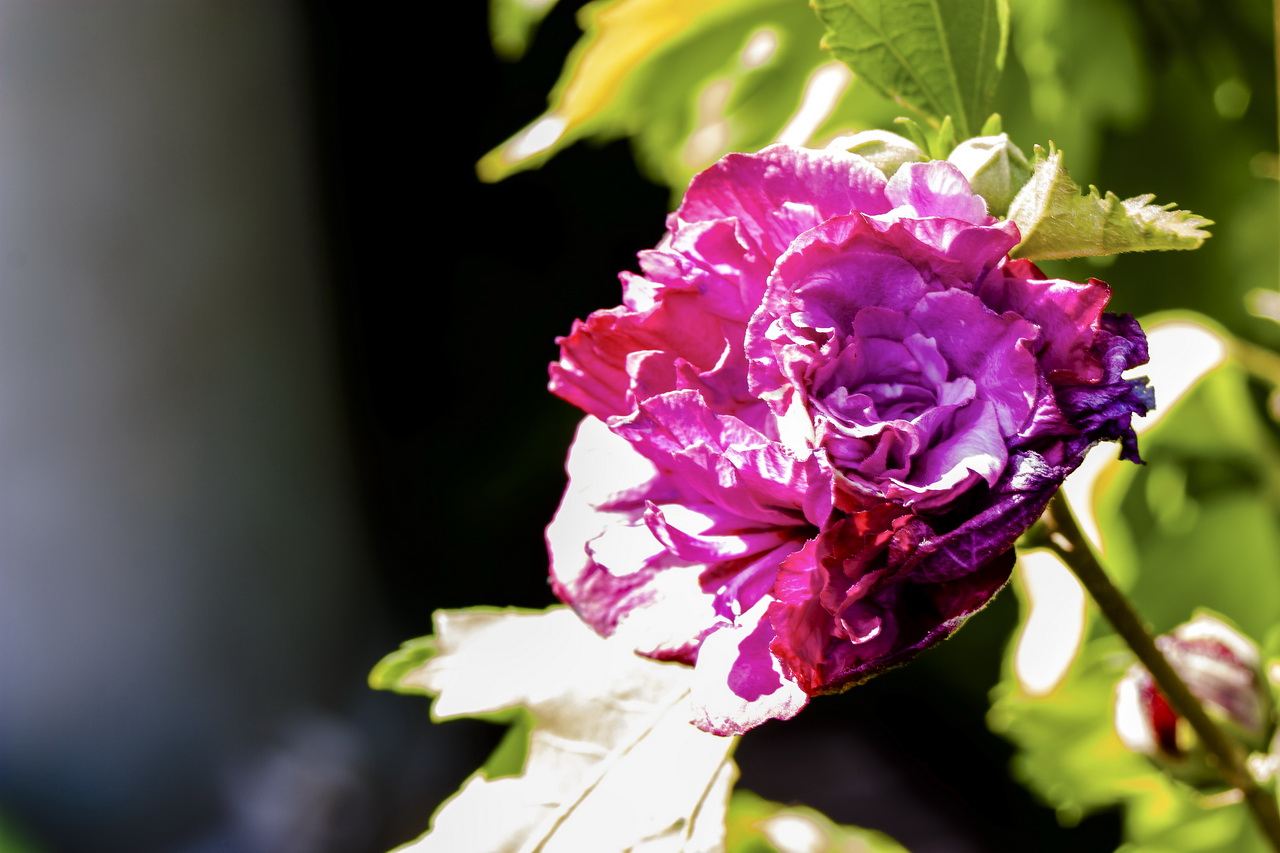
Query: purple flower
x=826 y=408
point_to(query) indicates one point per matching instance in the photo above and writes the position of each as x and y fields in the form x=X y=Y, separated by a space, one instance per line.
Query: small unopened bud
x=1223 y=670
x=886 y=151
x=995 y=167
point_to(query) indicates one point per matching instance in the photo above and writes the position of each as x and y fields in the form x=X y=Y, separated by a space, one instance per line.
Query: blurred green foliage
x=13 y=840
x=756 y=825
x=1197 y=525
x=1071 y=756
x=512 y=24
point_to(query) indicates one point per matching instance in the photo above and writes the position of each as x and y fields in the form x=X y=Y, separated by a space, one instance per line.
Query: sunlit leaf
x=1175 y=821
x=1058 y=220
x=612 y=764
x=756 y=825
x=620 y=38
x=512 y=22
x=690 y=81
x=938 y=57
x=1069 y=752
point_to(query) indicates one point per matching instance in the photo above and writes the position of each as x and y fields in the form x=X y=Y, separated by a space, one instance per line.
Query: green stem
x=1063 y=537
x=1257 y=360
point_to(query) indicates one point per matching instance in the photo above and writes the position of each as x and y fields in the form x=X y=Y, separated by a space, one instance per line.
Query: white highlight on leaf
x=711 y=138
x=1054 y=628
x=822 y=92
x=535 y=138
x=613 y=763
x=793 y=833
x=760 y=48
x=1264 y=303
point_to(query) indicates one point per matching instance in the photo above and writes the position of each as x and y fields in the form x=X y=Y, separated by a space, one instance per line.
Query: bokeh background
x=272 y=369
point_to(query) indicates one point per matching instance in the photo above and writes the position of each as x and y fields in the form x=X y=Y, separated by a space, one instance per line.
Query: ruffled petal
x=780 y=192
x=721 y=458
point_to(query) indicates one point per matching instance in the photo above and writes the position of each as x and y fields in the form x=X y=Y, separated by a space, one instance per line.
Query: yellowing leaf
x=1058 y=220
x=620 y=36
x=688 y=82
x=613 y=763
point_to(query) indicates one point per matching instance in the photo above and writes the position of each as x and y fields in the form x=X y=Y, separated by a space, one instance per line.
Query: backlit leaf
x=1058 y=220
x=613 y=763
x=688 y=82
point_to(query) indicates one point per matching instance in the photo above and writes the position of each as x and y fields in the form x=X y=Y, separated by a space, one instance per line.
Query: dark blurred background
x=272 y=389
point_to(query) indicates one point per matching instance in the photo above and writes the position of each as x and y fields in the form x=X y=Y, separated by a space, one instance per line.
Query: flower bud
x=995 y=167
x=886 y=151
x=1223 y=670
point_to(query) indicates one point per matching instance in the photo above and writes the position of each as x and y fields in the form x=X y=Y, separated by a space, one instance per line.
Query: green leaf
x=756 y=825
x=938 y=57
x=595 y=731
x=391 y=671
x=944 y=140
x=915 y=132
x=1069 y=753
x=620 y=38
x=1058 y=220
x=509 y=757
x=512 y=22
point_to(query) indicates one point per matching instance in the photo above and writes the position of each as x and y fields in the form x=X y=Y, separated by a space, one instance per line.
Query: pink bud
x=1222 y=668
